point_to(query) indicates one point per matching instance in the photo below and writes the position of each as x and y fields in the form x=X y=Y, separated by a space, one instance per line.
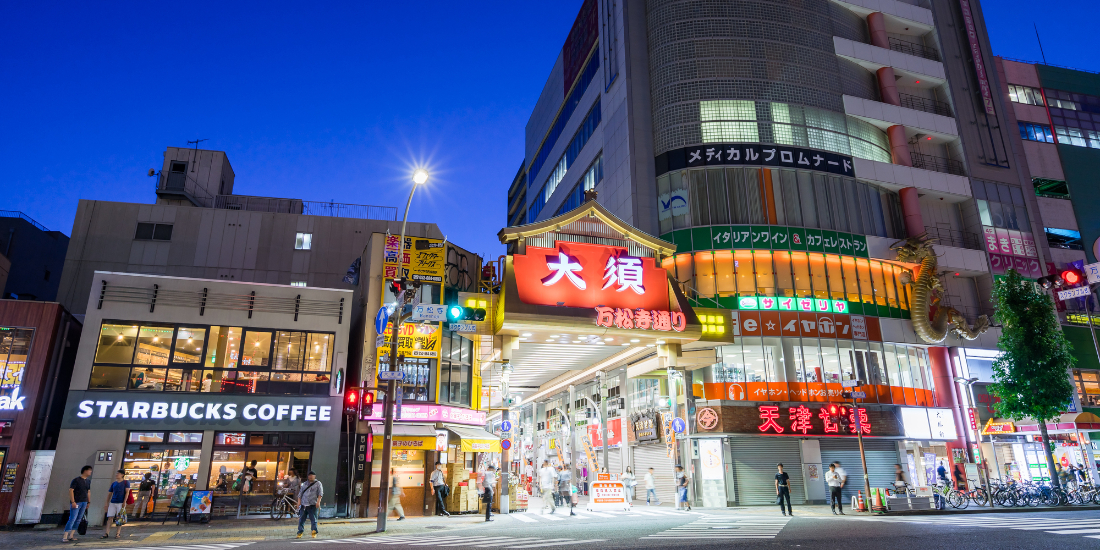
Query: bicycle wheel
x=956 y=499
x=279 y=509
x=979 y=496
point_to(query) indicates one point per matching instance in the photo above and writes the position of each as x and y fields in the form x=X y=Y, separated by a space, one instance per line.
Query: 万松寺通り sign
x=586 y=275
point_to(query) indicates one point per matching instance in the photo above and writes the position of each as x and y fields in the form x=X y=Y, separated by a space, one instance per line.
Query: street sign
x=1092 y=271
x=379 y=340
x=678 y=425
x=505 y=426
x=849 y=383
x=859 y=395
x=463 y=327
x=1074 y=293
x=381 y=319
x=429 y=312
x=391 y=375
x=505 y=444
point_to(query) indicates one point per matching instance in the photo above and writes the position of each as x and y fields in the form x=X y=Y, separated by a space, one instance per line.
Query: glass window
x=303 y=241
x=229 y=438
x=830 y=361
x=851 y=283
x=811 y=356
x=183 y=380
x=116 y=344
x=784 y=283
x=817 y=274
x=879 y=284
x=256 y=351
x=147 y=378
x=153 y=345
x=319 y=354
x=863 y=269
x=223 y=351
x=836 y=279
x=188 y=348
x=185 y=437
x=14 y=346
x=685 y=267
x=847 y=360
x=746 y=278
x=145 y=437
x=801 y=267
x=289 y=350
x=875 y=364
x=724 y=275
x=754 y=360
x=109 y=378
x=891 y=290
x=765 y=277
x=704 y=274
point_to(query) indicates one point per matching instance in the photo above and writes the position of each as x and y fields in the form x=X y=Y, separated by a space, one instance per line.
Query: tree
x=1032 y=375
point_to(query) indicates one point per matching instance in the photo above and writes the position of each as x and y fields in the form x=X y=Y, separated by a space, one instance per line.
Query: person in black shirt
x=783 y=489
x=80 y=493
x=145 y=491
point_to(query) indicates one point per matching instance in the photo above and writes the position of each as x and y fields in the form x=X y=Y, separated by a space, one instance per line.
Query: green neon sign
x=785 y=303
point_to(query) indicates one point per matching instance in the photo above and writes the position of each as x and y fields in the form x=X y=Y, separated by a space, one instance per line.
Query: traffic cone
x=860 y=505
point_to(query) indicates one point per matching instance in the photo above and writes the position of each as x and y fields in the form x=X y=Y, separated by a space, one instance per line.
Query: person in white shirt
x=651 y=489
x=489 y=482
x=628 y=483
x=438 y=487
x=548 y=483
x=835 y=482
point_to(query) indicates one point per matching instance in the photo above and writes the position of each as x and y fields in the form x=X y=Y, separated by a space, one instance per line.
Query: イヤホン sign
x=177 y=410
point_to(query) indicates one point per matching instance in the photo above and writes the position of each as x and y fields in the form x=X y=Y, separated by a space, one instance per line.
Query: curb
x=1013 y=510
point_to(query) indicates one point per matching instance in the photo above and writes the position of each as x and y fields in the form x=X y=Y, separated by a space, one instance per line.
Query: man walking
x=396 y=492
x=832 y=479
x=565 y=479
x=438 y=487
x=548 y=484
x=116 y=504
x=79 y=495
x=488 y=482
x=309 y=501
x=682 y=489
x=651 y=489
x=783 y=489
x=145 y=490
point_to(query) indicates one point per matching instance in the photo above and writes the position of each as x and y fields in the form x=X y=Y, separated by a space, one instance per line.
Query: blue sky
x=318 y=101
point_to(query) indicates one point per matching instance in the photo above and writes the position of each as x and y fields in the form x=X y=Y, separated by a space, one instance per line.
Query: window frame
x=303 y=240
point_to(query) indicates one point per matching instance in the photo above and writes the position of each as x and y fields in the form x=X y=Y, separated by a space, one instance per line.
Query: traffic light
x=456 y=313
x=367 y=400
x=1071 y=276
x=352 y=401
x=1050 y=281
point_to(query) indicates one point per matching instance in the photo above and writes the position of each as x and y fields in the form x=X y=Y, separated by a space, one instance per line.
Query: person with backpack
x=309 y=501
x=145 y=490
x=116 y=505
x=80 y=493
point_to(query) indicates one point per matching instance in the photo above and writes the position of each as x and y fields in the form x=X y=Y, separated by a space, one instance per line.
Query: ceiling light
x=625 y=344
x=600 y=343
x=608 y=339
x=660 y=341
x=551 y=340
x=649 y=345
x=635 y=340
x=526 y=334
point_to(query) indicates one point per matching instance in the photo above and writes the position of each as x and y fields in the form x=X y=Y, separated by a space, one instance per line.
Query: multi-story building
x=1057 y=111
x=788 y=150
x=36 y=256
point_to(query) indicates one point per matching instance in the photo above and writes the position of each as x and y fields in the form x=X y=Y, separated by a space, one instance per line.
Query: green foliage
x=1031 y=376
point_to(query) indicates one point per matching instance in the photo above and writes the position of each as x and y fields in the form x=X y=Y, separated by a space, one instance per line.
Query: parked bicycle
x=284 y=505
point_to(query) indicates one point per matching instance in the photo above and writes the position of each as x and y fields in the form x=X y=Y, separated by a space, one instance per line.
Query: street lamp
x=420 y=176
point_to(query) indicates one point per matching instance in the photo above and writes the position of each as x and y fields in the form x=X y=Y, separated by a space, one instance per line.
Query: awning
x=406 y=436
x=1066 y=423
x=475 y=440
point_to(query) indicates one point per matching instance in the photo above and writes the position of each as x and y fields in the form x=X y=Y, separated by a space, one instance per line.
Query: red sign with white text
x=589 y=275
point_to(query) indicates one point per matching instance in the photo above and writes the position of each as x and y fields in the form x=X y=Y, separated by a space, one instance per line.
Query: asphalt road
x=666 y=528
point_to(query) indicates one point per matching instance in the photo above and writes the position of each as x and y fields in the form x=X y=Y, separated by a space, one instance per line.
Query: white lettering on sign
x=197 y=411
x=625 y=271
x=13 y=402
x=566 y=266
x=1074 y=293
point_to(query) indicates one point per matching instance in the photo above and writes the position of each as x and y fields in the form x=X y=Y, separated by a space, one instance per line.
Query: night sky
x=319 y=102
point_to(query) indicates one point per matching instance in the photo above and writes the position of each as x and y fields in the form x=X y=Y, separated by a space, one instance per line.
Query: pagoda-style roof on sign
x=589 y=220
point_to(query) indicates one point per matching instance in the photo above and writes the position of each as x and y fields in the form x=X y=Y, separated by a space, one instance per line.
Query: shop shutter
x=754 y=470
x=653 y=456
x=614 y=461
x=881 y=457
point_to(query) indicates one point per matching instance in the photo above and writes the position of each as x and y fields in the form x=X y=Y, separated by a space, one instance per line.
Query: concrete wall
x=37 y=259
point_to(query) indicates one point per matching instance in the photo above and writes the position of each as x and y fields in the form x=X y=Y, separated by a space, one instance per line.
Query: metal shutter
x=881 y=457
x=654 y=456
x=754 y=461
x=614 y=461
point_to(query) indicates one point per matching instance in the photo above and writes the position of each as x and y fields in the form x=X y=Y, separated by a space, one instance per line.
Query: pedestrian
x=396 y=492
x=439 y=488
x=116 y=505
x=145 y=490
x=309 y=501
x=682 y=489
x=548 y=481
x=960 y=478
x=628 y=483
x=293 y=482
x=843 y=474
x=565 y=478
x=832 y=479
x=651 y=489
x=783 y=489
x=80 y=493
x=488 y=482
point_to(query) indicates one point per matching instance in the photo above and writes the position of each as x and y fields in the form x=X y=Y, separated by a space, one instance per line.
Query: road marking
x=727 y=527
x=1054 y=526
x=439 y=540
x=219 y=546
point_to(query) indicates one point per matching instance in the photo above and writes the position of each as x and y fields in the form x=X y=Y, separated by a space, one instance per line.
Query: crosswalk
x=562 y=514
x=1088 y=527
x=727 y=527
x=219 y=546
x=465 y=541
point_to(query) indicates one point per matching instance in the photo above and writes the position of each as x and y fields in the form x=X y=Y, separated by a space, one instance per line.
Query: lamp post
x=419 y=178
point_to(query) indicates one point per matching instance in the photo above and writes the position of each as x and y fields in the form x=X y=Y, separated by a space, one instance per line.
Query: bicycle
x=901 y=489
x=283 y=506
x=953 y=497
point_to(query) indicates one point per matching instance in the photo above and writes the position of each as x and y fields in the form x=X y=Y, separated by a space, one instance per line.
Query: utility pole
x=405 y=291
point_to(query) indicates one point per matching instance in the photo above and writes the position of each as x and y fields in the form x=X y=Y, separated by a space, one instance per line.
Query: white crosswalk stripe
x=1087 y=527
x=218 y=546
x=727 y=527
x=535 y=516
x=465 y=541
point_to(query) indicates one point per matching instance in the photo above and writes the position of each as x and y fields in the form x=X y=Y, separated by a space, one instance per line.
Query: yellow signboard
x=413 y=340
x=419 y=259
x=480 y=445
x=408 y=442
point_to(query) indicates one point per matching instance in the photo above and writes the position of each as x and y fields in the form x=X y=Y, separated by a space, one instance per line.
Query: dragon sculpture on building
x=932 y=329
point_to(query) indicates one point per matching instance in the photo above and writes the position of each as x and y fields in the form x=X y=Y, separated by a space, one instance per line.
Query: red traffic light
x=1072 y=276
x=834 y=410
x=368 y=399
x=351 y=398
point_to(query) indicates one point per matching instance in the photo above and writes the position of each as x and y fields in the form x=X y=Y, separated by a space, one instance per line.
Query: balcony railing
x=938 y=164
x=958 y=239
x=912 y=48
x=927 y=105
x=308 y=208
x=18 y=214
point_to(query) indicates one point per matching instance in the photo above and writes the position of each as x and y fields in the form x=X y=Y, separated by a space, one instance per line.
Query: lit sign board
x=157 y=410
x=430 y=413
x=13 y=402
x=588 y=275
x=642 y=319
x=783 y=303
x=995 y=428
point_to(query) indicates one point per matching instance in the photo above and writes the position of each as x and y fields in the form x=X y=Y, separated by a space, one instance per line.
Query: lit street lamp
x=420 y=176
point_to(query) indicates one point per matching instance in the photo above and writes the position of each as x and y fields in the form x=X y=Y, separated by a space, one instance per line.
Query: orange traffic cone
x=860 y=505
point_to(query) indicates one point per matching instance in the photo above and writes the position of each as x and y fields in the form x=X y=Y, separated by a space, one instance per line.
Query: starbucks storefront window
x=171 y=457
x=275 y=454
